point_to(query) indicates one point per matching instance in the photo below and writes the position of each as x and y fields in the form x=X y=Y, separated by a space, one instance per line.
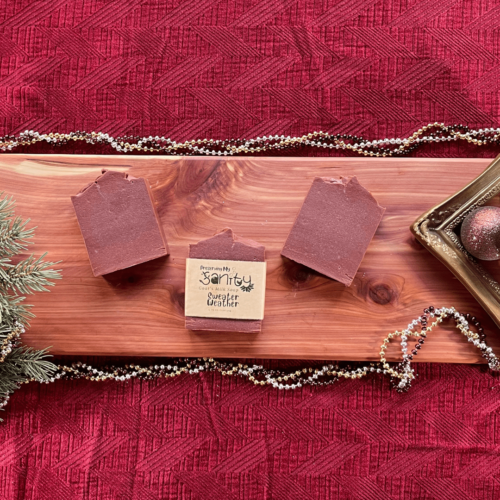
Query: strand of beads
x=432 y=132
x=11 y=341
x=401 y=375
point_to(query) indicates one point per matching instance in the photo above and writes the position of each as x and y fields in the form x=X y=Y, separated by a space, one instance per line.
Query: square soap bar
x=334 y=228
x=119 y=223
x=226 y=246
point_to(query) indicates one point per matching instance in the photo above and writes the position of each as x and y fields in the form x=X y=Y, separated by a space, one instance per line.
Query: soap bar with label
x=226 y=246
x=334 y=228
x=119 y=223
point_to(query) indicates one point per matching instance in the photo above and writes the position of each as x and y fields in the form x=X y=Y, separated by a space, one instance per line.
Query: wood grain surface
x=139 y=311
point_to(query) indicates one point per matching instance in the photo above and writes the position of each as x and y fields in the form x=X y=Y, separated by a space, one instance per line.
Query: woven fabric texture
x=241 y=68
x=213 y=437
x=233 y=68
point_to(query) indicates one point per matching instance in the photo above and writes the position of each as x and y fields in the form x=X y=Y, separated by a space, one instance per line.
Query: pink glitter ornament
x=480 y=233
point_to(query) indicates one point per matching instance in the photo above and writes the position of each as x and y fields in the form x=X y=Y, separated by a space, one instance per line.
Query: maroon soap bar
x=119 y=223
x=334 y=228
x=226 y=246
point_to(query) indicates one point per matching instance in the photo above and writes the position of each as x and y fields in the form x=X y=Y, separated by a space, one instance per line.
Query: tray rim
x=435 y=229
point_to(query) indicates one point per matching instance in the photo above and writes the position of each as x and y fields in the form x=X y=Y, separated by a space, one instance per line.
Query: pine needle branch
x=19 y=364
x=28 y=276
x=12 y=309
x=23 y=365
x=14 y=237
x=30 y=364
x=6 y=207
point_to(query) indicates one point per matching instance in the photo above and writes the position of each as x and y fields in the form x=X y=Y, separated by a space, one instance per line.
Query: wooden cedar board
x=139 y=311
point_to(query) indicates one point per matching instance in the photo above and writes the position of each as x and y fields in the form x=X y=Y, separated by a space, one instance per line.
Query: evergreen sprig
x=14 y=237
x=30 y=274
x=24 y=364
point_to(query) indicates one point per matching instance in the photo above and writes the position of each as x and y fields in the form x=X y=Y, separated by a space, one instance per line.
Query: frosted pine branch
x=28 y=276
x=14 y=237
x=19 y=363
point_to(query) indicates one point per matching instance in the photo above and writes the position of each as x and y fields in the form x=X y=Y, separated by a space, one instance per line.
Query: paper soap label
x=232 y=289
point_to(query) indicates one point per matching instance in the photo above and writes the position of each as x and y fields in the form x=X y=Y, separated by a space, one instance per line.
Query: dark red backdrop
x=193 y=69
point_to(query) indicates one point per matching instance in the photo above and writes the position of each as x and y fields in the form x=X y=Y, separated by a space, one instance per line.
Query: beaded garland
x=432 y=132
x=11 y=340
x=401 y=375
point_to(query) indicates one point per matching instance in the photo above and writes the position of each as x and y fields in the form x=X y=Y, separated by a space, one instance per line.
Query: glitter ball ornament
x=480 y=233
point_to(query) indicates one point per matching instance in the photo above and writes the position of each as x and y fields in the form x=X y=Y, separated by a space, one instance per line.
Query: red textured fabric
x=234 y=68
x=213 y=437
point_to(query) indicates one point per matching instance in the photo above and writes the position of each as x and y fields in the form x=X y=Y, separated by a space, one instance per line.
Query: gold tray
x=436 y=230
